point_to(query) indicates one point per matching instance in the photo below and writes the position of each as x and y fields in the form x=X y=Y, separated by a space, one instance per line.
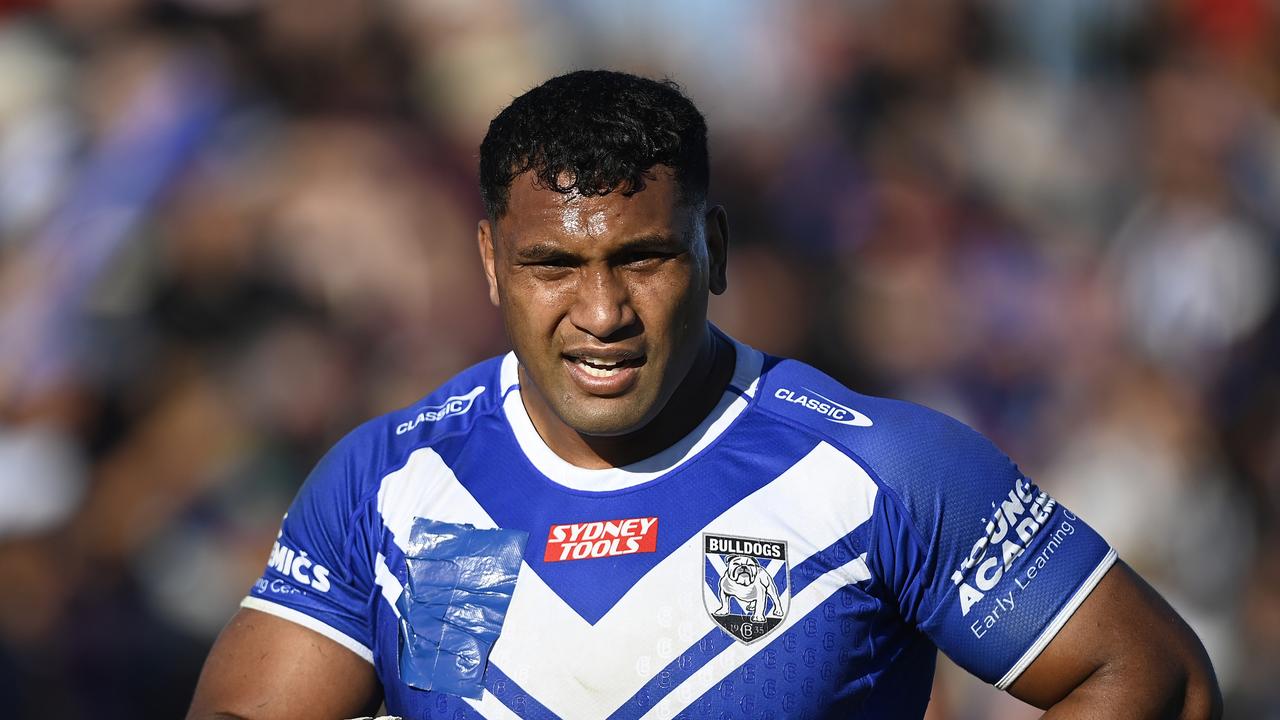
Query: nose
x=602 y=306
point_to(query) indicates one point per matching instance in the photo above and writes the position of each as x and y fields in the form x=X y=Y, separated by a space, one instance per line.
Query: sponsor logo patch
x=824 y=406
x=456 y=405
x=601 y=538
x=1014 y=522
x=746 y=584
x=296 y=565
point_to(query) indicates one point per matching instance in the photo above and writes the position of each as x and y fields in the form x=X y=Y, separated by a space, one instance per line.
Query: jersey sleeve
x=318 y=573
x=976 y=556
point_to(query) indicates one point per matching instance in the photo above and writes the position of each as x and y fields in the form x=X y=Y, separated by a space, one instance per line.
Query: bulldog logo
x=746 y=586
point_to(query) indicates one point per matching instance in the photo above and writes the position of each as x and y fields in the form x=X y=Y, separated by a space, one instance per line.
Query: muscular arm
x=1123 y=654
x=266 y=668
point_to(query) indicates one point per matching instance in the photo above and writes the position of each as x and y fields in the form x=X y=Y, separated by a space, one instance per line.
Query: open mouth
x=602 y=367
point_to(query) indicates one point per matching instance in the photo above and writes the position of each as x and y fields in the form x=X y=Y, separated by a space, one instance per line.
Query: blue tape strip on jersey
x=461 y=579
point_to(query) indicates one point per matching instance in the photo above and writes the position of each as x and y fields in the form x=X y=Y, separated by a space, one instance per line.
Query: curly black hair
x=595 y=131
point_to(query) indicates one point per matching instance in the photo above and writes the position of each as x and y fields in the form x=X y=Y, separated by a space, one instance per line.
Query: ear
x=485 y=239
x=717 y=224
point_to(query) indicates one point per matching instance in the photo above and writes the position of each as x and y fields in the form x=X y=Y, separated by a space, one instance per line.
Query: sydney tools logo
x=601 y=538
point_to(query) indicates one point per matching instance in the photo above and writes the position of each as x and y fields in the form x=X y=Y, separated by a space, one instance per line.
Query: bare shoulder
x=264 y=667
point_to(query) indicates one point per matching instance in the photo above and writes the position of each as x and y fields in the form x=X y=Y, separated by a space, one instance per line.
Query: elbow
x=1164 y=686
x=1201 y=696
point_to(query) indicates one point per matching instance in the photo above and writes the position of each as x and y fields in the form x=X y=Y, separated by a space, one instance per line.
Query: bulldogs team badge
x=746 y=585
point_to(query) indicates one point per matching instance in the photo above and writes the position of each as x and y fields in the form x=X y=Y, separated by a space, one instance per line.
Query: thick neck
x=694 y=399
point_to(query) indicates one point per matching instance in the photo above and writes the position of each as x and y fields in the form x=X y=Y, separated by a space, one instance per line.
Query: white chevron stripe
x=426 y=487
x=491 y=707
x=578 y=670
x=390 y=584
x=597 y=668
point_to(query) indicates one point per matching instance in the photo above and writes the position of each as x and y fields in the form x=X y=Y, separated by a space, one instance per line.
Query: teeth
x=600 y=372
x=600 y=367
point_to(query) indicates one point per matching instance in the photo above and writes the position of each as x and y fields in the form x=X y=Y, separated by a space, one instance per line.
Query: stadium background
x=230 y=230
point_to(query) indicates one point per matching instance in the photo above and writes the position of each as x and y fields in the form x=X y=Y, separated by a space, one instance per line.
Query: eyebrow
x=650 y=242
x=542 y=251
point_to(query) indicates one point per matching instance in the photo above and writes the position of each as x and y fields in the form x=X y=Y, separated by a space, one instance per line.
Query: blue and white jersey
x=804 y=552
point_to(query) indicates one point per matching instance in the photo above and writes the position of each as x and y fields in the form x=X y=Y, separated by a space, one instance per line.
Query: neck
x=694 y=399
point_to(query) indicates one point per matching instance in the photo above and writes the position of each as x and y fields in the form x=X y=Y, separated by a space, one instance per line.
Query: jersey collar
x=737 y=396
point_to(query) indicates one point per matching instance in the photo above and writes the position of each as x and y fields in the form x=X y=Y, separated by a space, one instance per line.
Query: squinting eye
x=551 y=263
x=551 y=269
x=642 y=259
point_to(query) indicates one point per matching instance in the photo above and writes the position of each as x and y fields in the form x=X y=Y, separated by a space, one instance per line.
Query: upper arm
x=1021 y=592
x=304 y=637
x=975 y=555
x=1124 y=644
x=263 y=667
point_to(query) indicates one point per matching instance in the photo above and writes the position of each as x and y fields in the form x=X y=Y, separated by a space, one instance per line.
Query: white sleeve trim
x=1058 y=621
x=310 y=623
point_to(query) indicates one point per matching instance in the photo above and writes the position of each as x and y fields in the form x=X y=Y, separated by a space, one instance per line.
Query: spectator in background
x=1107 y=181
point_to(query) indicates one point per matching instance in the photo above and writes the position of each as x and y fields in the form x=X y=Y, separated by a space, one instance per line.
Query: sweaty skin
x=625 y=280
x=605 y=302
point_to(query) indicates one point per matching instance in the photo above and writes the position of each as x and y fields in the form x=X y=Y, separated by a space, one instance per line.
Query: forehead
x=537 y=213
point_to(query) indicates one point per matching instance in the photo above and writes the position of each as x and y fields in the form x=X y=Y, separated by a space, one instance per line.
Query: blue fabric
x=962 y=542
x=460 y=583
x=961 y=552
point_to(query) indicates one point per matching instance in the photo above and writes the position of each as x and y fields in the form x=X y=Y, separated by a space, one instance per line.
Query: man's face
x=604 y=298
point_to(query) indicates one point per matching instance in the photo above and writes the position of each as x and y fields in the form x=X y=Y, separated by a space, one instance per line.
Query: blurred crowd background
x=230 y=230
